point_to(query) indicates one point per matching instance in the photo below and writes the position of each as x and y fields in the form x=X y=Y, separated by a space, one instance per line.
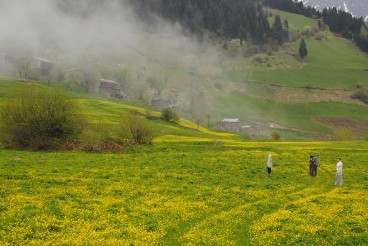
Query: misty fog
x=106 y=40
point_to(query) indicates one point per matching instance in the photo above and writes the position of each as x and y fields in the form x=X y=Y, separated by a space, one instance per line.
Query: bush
x=169 y=115
x=38 y=119
x=259 y=59
x=318 y=36
x=361 y=95
x=106 y=146
x=276 y=136
x=344 y=134
x=136 y=131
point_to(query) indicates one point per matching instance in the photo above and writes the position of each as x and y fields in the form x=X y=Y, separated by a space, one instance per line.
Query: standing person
x=338 y=180
x=311 y=165
x=269 y=165
x=314 y=165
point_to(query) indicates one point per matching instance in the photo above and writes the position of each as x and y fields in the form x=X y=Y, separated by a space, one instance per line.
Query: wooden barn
x=110 y=88
x=161 y=104
x=231 y=125
x=42 y=65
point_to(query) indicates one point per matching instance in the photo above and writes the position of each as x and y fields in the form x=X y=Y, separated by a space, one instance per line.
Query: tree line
x=244 y=19
x=291 y=6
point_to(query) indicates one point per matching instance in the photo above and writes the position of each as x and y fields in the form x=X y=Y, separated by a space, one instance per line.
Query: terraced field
x=185 y=191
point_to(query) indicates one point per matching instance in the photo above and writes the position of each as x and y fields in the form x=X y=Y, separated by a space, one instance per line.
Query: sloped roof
x=43 y=59
x=231 y=120
x=108 y=81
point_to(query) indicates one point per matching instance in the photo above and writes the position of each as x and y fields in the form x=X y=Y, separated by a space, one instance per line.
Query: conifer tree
x=276 y=30
x=303 y=49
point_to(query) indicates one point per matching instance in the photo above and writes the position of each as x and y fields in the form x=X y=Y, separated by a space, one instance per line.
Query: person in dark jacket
x=314 y=166
x=311 y=165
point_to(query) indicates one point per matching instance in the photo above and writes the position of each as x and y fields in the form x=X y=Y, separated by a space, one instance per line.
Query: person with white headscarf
x=269 y=165
x=338 y=180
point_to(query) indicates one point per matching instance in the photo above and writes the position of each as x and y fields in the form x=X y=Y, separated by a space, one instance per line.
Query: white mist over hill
x=39 y=25
x=93 y=39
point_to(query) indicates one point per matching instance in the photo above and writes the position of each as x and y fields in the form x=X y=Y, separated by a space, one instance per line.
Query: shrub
x=106 y=146
x=361 y=95
x=318 y=36
x=344 y=134
x=136 y=131
x=276 y=136
x=38 y=119
x=259 y=59
x=169 y=115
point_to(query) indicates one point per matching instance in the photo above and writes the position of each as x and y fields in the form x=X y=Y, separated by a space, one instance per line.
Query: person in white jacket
x=269 y=165
x=338 y=180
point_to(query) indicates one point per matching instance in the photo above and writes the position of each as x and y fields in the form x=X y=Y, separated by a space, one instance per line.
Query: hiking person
x=269 y=165
x=338 y=180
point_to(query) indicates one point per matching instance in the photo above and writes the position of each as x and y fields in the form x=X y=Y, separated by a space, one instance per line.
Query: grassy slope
x=333 y=63
x=185 y=192
x=296 y=22
x=112 y=114
x=293 y=115
x=234 y=87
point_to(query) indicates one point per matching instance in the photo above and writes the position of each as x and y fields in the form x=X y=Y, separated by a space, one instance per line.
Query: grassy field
x=185 y=191
x=296 y=22
x=332 y=63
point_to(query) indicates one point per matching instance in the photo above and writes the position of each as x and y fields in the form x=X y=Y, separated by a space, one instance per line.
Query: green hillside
x=108 y=115
x=281 y=88
x=309 y=99
x=333 y=63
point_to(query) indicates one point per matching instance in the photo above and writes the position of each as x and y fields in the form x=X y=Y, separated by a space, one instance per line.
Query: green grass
x=299 y=115
x=185 y=192
x=332 y=63
x=113 y=113
x=108 y=116
x=296 y=22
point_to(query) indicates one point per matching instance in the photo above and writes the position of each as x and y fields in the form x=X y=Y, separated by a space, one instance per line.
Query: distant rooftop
x=43 y=59
x=231 y=120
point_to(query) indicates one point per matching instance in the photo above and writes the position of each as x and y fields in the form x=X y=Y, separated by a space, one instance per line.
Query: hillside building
x=111 y=89
x=160 y=104
x=42 y=66
x=231 y=125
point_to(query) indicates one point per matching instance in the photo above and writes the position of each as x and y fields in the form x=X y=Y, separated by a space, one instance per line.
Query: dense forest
x=244 y=19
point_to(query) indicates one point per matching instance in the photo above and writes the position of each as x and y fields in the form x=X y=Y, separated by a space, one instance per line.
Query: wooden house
x=111 y=89
x=231 y=125
x=42 y=66
x=161 y=104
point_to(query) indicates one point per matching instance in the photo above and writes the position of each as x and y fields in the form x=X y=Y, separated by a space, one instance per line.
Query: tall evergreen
x=277 y=32
x=303 y=49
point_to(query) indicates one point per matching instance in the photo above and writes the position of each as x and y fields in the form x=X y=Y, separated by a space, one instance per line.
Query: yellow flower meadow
x=187 y=192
